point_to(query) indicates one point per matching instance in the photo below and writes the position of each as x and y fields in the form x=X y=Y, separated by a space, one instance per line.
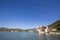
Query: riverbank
x=55 y=33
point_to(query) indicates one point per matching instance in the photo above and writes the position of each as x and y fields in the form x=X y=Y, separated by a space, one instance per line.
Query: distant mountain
x=2 y=29
x=56 y=24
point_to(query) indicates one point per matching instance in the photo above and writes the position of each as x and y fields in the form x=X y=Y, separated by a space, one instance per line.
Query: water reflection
x=48 y=37
x=27 y=36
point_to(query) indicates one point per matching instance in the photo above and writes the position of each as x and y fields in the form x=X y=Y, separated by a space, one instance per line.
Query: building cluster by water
x=46 y=29
x=42 y=29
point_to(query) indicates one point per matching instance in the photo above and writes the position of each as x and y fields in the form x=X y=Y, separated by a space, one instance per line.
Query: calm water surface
x=27 y=36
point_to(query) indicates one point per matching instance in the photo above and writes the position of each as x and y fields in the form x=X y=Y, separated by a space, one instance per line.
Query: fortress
x=42 y=29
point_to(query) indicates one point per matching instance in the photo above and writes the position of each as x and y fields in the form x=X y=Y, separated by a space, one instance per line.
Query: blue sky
x=28 y=13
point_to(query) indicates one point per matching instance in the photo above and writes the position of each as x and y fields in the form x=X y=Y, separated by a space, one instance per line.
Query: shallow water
x=27 y=36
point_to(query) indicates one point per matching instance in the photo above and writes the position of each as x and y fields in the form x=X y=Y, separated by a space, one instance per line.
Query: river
x=27 y=36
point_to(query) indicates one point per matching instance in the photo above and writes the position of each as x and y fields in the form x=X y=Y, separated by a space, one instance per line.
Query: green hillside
x=56 y=25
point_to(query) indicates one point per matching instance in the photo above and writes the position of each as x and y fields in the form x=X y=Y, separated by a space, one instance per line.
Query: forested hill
x=56 y=24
